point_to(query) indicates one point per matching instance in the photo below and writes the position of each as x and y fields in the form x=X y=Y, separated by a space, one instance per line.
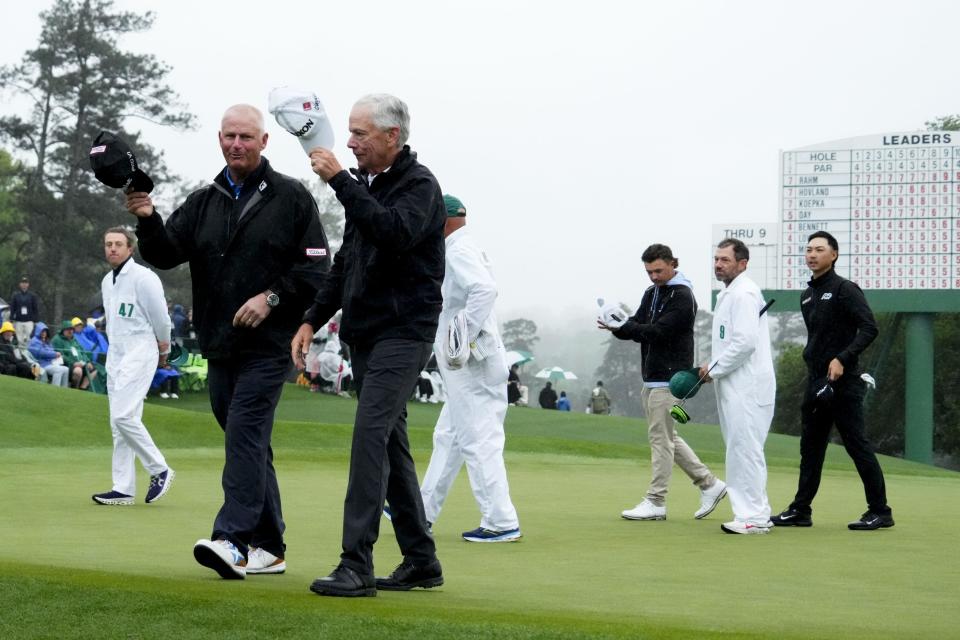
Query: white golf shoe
x=222 y=556
x=646 y=510
x=747 y=528
x=710 y=498
x=261 y=561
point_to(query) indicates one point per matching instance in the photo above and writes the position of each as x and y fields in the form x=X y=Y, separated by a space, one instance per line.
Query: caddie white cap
x=302 y=114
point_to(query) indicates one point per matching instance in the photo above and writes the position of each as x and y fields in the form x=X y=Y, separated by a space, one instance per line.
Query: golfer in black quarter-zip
x=840 y=326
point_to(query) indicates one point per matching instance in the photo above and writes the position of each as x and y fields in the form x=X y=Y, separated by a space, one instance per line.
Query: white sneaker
x=746 y=527
x=646 y=510
x=262 y=561
x=164 y=395
x=710 y=498
x=222 y=556
x=174 y=396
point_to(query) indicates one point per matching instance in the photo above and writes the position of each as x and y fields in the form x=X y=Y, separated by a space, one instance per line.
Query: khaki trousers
x=667 y=447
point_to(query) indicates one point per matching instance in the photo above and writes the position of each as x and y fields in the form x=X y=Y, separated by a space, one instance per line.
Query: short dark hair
x=659 y=252
x=599 y=383
x=126 y=232
x=830 y=241
x=740 y=250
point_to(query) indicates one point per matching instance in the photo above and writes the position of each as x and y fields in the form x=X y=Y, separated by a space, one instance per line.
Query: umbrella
x=519 y=357
x=555 y=374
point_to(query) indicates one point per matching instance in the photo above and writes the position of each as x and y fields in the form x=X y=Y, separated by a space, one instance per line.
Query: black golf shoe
x=409 y=575
x=792 y=518
x=345 y=582
x=870 y=521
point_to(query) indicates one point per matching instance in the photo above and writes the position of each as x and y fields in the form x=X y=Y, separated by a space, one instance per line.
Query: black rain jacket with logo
x=839 y=323
x=269 y=238
x=387 y=274
x=664 y=331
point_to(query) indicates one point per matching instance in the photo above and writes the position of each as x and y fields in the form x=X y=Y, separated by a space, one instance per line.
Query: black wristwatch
x=272 y=298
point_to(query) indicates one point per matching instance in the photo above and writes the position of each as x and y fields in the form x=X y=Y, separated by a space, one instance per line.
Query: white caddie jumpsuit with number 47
x=746 y=389
x=470 y=426
x=136 y=317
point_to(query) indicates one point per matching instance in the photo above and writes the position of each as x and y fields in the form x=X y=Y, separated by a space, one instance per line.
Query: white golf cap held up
x=301 y=113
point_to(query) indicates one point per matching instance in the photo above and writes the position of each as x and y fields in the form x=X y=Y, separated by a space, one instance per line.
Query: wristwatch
x=272 y=298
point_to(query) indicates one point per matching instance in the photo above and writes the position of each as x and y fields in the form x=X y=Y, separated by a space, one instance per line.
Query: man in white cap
x=386 y=278
x=139 y=331
x=746 y=387
x=470 y=426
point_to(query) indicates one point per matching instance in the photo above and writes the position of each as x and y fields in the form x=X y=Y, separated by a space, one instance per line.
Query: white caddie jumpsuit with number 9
x=746 y=389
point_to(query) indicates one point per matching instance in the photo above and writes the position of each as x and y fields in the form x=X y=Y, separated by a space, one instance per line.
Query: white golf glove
x=612 y=314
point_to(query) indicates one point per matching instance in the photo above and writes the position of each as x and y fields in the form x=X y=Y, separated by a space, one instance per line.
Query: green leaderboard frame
x=919 y=308
x=881 y=301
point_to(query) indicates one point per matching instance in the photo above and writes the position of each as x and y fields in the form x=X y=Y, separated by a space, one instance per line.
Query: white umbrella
x=555 y=374
x=519 y=357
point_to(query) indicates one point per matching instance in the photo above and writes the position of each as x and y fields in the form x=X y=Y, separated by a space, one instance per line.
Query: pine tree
x=78 y=82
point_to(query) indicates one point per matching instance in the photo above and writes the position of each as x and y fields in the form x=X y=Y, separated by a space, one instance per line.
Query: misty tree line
x=884 y=359
x=76 y=82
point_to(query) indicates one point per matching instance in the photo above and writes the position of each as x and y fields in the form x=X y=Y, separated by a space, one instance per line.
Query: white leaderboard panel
x=763 y=241
x=892 y=201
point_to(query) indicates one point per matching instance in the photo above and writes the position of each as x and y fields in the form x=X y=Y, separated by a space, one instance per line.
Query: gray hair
x=126 y=232
x=388 y=111
x=247 y=111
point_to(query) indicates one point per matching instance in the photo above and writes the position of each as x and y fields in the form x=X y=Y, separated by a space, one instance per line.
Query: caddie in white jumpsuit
x=742 y=368
x=138 y=328
x=470 y=426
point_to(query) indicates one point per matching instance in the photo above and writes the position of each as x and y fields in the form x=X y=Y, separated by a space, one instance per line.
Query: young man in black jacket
x=257 y=254
x=663 y=325
x=386 y=277
x=840 y=326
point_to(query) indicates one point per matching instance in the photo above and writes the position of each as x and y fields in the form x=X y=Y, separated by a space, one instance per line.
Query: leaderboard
x=892 y=201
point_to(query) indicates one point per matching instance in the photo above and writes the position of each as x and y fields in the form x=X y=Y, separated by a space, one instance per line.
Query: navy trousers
x=244 y=392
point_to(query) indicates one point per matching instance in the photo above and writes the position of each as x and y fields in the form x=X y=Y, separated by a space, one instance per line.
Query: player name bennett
x=917 y=138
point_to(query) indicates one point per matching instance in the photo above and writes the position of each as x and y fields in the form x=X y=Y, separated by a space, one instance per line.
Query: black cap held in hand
x=114 y=164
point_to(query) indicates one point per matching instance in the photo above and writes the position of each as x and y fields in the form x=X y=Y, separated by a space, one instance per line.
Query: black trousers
x=244 y=392
x=381 y=467
x=845 y=410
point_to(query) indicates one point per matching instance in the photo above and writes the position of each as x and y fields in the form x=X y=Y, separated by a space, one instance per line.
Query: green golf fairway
x=72 y=569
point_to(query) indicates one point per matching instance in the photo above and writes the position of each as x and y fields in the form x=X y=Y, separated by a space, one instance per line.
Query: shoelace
x=156 y=481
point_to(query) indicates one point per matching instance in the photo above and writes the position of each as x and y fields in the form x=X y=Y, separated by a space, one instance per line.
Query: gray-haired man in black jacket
x=840 y=326
x=386 y=277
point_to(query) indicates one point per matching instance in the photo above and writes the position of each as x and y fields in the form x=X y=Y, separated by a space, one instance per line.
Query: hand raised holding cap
x=324 y=163
x=140 y=204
